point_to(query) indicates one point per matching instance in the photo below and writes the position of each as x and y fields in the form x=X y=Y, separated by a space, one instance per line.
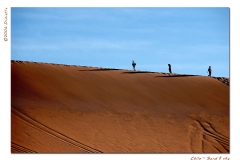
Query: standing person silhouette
x=169 y=68
x=133 y=64
x=209 y=71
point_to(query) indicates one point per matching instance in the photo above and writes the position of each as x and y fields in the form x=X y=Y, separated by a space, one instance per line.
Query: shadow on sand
x=137 y=72
x=172 y=76
x=103 y=69
x=165 y=75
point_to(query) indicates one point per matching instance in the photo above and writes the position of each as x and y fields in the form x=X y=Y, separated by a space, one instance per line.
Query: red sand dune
x=74 y=109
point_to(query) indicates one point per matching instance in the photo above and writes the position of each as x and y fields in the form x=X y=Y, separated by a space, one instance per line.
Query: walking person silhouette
x=209 y=71
x=169 y=68
x=133 y=64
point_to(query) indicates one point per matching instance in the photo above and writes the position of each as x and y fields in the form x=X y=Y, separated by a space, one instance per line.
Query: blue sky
x=190 y=39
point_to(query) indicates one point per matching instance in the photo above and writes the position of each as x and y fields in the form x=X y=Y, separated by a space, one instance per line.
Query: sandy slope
x=71 y=109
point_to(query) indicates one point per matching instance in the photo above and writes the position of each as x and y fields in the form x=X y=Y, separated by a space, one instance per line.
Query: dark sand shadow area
x=173 y=76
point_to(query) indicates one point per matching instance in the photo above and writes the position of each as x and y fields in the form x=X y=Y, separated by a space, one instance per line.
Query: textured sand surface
x=74 y=109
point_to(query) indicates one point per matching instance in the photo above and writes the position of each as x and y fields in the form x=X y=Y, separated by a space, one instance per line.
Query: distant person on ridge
x=133 y=64
x=169 y=68
x=209 y=71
